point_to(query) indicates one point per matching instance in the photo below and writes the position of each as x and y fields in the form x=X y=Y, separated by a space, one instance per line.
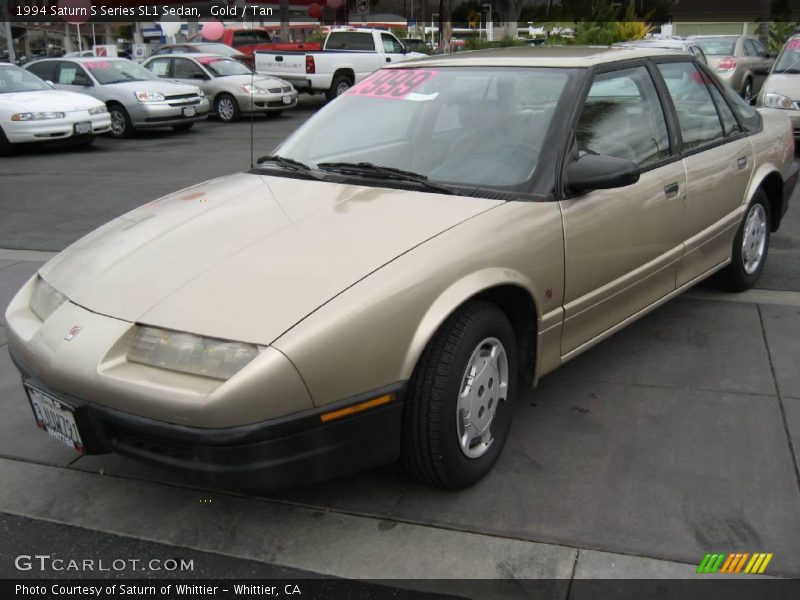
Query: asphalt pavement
x=678 y=436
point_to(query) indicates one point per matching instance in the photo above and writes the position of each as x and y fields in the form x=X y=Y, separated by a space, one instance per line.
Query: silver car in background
x=782 y=87
x=741 y=61
x=231 y=87
x=135 y=97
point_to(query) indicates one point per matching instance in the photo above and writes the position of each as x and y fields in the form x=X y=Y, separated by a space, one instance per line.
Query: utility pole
x=12 y=57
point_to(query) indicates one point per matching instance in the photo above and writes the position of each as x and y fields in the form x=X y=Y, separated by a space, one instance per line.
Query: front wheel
x=750 y=247
x=121 y=125
x=460 y=398
x=5 y=146
x=747 y=91
x=227 y=108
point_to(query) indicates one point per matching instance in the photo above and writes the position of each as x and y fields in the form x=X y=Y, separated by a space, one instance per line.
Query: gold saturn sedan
x=385 y=284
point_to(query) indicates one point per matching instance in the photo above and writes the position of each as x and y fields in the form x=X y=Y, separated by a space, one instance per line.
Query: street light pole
x=489 y=23
x=12 y=58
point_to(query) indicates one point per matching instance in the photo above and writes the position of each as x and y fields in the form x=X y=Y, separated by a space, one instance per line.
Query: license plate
x=287 y=99
x=189 y=111
x=83 y=128
x=54 y=417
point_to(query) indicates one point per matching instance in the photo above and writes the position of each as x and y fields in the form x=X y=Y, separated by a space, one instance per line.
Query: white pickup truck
x=347 y=56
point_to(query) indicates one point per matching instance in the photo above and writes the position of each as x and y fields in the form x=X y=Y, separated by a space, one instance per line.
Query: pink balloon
x=334 y=4
x=212 y=30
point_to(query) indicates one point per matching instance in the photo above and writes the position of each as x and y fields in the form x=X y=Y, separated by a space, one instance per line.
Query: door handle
x=671 y=190
x=741 y=162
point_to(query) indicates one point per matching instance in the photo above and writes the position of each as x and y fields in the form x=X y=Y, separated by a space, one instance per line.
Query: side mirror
x=761 y=70
x=50 y=83
x=202 y=76
x=772 y=54
x=82 y=80
x=599 y=172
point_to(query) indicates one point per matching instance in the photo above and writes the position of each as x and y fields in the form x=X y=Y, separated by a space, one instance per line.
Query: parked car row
x=80 y=97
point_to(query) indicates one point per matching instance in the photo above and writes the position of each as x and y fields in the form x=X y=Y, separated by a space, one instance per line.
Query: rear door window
x=697 y=115
x=350 y=40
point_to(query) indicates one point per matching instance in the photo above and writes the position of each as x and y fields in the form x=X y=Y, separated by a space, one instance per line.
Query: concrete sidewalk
x=676 y=437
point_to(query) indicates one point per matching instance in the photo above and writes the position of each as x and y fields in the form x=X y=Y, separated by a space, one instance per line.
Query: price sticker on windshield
x=207 y=60
x=395 y=84
x=97 y=64
x=793 y=44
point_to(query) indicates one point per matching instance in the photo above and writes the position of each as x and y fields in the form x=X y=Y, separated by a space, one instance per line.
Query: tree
x=510 y=11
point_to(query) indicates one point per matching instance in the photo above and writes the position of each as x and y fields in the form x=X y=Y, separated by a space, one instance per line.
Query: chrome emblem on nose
x=76 y=329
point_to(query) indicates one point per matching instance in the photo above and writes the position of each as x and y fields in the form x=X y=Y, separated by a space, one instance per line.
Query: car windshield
x=14 y=79
x=221 y=49
x=465 y=126
x=117 y=71
x=222 y=67
x=789 y=60
x=717 y=46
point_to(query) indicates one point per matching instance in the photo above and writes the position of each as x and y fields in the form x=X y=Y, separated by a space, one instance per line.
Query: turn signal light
x=356 y=408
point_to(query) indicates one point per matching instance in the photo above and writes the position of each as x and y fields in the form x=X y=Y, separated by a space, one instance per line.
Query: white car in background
x=32 y=111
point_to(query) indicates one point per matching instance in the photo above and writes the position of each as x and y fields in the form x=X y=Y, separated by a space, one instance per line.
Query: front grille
x=179 y=96
x=279 y=90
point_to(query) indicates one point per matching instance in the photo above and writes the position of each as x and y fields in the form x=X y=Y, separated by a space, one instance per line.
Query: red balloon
x=315 y=11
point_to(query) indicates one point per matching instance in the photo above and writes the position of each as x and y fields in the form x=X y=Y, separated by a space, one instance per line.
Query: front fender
x=454 y=296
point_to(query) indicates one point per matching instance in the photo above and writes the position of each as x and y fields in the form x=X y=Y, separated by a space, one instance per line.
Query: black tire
x=183 y=127
x=747 y=90
x=340 y=84
x=227 y=108
x=431 y=448
x=736 y=277
x=121 y=125
x=5 y=145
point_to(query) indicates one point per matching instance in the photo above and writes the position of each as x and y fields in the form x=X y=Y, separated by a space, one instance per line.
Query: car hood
x=167 y=88
x=259 y=80
x=48 y=100
x=247 y=256
x=785 y=84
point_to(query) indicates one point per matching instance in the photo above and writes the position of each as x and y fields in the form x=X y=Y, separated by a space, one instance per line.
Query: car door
x=762 y=63
x=185 y=70
x=71 y=76
x=623 y=246
x=160 y=67
x=718 y=159
x=392 y=48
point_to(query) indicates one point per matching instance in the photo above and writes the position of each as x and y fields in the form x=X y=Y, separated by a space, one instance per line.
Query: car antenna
x=252 y=108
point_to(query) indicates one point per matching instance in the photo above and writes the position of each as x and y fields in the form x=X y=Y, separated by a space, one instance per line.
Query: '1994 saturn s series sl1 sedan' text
x=385 y=283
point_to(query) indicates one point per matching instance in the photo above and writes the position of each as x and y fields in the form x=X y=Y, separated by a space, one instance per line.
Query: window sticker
x=396 y=84
x=207 y=60
x=793 y=44
x=97 y=64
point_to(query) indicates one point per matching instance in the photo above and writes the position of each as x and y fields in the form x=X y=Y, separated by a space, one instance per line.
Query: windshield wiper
x=287 y=163
x=370 y=169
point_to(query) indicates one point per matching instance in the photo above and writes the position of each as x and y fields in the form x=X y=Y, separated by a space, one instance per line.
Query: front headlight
x=200 y=92
x=37 y=116
x=252 y=89
x=778 y=101
x=45 y=299
x=189 y=353
x=98 y=110
x=149 y=96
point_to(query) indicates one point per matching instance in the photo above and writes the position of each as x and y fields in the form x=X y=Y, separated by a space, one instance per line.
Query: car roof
x=544 y=56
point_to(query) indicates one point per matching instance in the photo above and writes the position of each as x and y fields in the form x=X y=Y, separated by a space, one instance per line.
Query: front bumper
x=23 y=132
x=164 y=114
x=281 y=452
x=264 y=103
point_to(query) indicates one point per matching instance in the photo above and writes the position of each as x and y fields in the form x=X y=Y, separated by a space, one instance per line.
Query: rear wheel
x=227 y=108
x=460 y=398
x=341 y=83
x=750 y=247
x=121 y=126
